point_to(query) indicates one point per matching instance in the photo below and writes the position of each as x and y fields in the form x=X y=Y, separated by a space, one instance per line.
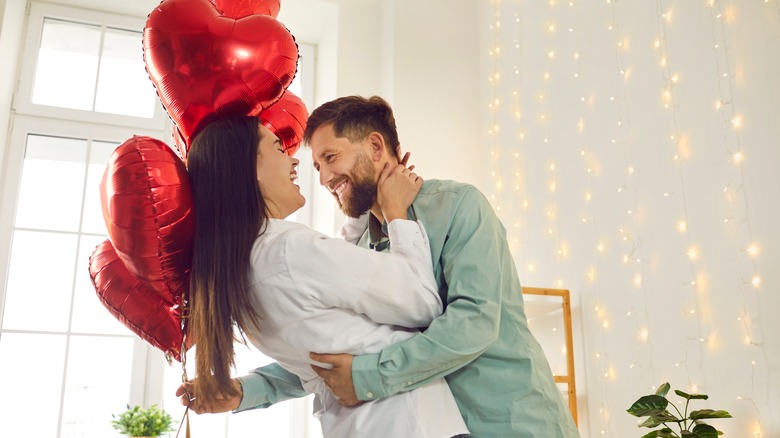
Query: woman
x=292 y=290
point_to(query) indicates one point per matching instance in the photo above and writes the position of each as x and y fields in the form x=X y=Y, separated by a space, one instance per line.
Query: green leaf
x=661 y=433
x=648 y=405
x=691 y=396
x=666 y=433
x=703 y=414
x=663 y=389
x=705 y=431
x=657 y=420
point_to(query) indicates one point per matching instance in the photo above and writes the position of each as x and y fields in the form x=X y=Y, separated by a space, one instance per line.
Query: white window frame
x=23 y=98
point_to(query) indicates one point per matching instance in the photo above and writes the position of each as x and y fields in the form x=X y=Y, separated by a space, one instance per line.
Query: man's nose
x=325 y=177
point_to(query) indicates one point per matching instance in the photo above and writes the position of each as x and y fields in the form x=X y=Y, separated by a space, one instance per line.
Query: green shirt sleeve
x=471 y=266
x=267 y=385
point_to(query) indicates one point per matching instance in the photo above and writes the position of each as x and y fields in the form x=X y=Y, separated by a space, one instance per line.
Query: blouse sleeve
x=396 y=288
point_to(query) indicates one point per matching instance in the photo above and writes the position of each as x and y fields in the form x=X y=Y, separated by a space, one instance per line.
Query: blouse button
x=370 y=394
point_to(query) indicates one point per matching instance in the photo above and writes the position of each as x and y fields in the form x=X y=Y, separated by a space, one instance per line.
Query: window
x=83 y=90
x=87 y=66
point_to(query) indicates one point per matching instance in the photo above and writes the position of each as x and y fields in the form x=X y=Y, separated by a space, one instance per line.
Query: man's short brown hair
x=355 y=117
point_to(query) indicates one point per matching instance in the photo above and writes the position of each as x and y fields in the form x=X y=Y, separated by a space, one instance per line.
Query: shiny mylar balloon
x=148 y=208
x=287 y=119
x=206 y=65
x=139 y=308
x=242 y=8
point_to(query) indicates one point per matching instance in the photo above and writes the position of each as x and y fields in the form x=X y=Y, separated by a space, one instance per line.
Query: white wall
x=606 y=141
x=435 y=86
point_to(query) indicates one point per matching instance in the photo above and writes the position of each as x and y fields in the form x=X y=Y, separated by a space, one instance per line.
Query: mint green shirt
x=481 y=344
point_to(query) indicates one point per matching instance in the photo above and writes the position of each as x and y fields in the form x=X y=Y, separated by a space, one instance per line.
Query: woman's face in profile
x=277 y=176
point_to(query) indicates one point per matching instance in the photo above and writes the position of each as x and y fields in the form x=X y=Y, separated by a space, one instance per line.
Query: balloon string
x=185 y=420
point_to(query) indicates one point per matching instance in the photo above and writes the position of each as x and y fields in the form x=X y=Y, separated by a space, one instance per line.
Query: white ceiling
x=142 y=8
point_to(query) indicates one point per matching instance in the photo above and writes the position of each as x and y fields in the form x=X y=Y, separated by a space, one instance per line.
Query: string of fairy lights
x=734 y=191
x=630 y=234
x=678 y=144
x=597 y=246
x=494 y=78
x=513 y=212
x=634 y=256
x=550 y=144
x=511 y=195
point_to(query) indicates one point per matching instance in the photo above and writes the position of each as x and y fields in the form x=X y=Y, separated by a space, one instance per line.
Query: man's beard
x=362 y=188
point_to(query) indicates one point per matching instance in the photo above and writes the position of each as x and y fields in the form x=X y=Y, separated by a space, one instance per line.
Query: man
x=481 y=343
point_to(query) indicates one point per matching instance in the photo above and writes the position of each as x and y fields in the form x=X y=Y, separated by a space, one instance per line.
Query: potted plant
x=138 y=422
x=690 y=424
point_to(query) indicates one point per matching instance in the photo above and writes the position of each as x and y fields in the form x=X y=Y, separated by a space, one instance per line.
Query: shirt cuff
x=251 y=398
x=405 y=232
x=365 y=377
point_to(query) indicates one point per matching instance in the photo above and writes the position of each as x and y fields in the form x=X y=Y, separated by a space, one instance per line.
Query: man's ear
x=376 y=144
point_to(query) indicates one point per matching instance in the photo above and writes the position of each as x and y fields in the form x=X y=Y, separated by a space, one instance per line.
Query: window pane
x=97 y=385
x=31 y=369
x=92 y=221
x=40 y=281
x=67 y=65
x=89 y=314
x=124 y=86
x=52 y=183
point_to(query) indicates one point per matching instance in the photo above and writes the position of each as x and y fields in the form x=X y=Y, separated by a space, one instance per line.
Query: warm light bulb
x=753 y=250
x=756 y=281
x=693 y=253
x=738 y=157
x=682 y=226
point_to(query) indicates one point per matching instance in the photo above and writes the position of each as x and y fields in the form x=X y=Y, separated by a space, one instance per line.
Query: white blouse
x=315 y=293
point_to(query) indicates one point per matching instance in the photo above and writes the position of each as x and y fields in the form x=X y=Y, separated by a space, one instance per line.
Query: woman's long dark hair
x=229 y=215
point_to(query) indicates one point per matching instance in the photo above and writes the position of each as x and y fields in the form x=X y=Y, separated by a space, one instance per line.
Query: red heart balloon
x=287 y=119
x=242 y=8
x=148 y=208
x=142 y=310
x=206 y=65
